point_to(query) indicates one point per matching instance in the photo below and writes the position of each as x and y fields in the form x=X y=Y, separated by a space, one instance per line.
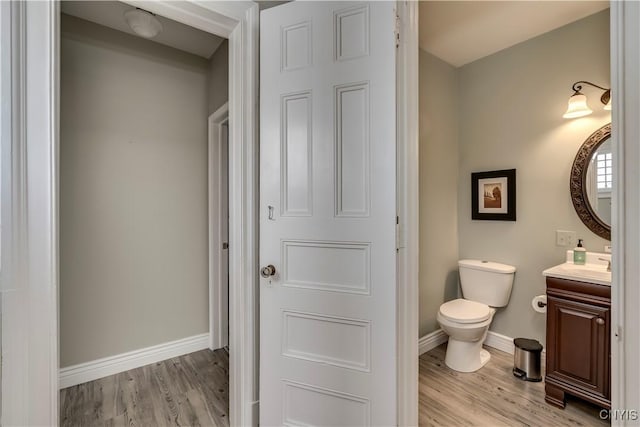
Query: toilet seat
x=465 y=311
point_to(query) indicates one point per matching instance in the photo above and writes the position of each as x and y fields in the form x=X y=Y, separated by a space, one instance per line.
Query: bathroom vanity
x=578 y=359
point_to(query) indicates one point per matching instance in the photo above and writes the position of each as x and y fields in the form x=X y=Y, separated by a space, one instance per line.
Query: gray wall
x=438 y=187
x=500 y=112
x=218 y=79
x=133 y=202
x=511 y=106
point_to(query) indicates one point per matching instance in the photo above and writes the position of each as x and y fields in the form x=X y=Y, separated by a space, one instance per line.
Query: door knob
x=600 y=321
x=268 y=271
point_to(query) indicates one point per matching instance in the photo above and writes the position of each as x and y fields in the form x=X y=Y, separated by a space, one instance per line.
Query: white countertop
x=593 y=271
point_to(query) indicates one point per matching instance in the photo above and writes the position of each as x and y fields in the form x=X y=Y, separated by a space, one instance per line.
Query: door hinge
x=396 y=31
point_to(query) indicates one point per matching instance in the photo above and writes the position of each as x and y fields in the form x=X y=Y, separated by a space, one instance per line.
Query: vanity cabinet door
x=578 y=346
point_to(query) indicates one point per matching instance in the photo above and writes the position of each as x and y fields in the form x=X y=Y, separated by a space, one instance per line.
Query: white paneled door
x=328 y=214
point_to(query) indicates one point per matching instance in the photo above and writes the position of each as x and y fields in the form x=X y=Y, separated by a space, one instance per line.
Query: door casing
x=625 y=227
x=218 y=196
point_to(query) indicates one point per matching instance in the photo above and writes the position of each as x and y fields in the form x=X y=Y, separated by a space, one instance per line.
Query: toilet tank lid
x=495 y=267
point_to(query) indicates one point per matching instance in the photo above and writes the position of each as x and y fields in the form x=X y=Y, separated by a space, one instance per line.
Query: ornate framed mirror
x=591 y=183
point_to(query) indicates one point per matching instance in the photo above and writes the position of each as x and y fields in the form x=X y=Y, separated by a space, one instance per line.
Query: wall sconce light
x=577 y=106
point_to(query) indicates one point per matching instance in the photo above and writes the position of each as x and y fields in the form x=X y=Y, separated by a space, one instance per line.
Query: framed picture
x=493 y=195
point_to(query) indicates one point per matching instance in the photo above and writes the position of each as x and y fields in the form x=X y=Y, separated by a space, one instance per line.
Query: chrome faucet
x=608 y=263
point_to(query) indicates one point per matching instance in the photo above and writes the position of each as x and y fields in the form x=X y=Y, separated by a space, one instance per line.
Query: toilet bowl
x=485 y=285
x=466 y=323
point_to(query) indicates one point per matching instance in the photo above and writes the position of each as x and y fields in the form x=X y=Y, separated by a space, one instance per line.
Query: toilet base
x=466 y=356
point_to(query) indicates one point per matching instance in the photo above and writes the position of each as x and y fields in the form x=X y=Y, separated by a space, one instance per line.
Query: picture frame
x=493 y=195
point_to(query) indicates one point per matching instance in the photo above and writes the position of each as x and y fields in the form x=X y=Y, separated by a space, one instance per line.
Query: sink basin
x=594 y=271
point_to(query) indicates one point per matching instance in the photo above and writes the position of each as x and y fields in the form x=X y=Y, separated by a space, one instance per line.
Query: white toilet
x=484 y=285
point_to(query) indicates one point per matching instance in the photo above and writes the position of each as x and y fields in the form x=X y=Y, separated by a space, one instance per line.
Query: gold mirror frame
x=578 y=187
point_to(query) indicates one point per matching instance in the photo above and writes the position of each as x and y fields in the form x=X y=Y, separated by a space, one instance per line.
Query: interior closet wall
x=133 y=193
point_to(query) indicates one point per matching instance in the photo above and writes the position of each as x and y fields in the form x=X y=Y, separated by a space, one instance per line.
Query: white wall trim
x=244 y=194
x=431 y=341
x=494 y=340
x=30 y=252
x=100 y=368
x=505 y=343
x=625 y=228
x=500 y=342
x=218 y=165
x=407 y=286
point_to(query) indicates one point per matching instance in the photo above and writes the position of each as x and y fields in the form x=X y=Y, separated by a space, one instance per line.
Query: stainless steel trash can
x=526 y=359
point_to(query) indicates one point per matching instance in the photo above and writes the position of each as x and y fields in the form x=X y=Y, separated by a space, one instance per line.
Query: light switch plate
x=565 y=238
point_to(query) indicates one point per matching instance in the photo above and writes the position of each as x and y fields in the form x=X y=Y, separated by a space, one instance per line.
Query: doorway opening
x=472 y=134
x=219 y=228
x=144 y=223
x=33 y=30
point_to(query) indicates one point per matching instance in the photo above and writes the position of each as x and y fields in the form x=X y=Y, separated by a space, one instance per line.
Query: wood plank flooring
x=191 y=390
x=491 y=396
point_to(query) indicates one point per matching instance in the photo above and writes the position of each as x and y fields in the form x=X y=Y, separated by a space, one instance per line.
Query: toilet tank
x=486 y=282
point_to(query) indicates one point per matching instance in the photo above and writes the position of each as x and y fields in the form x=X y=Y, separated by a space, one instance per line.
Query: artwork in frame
x=493 y=195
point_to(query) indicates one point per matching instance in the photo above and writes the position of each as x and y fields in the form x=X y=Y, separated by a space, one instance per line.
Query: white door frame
x=625 y=292
x=29 y=210
x=30 y=383
x=408 y=202
x=218 y=165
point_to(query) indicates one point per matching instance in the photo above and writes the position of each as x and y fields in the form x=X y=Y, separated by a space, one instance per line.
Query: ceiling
x=266 y=4
x=174 y=34
x=459 y=32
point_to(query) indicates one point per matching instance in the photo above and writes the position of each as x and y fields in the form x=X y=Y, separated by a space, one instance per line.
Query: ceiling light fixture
x=577 y=105
x=143 y=23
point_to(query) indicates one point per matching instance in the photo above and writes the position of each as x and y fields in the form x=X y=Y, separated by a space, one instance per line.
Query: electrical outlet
x=565 y=238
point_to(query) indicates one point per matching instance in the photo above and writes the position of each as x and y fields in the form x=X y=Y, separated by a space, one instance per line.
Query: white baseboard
x=500 y=342
x=505 y=343
x=431 y=341
x=494 y=340
x=89 y=371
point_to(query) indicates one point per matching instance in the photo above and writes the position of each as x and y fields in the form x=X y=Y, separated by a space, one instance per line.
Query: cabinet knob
x=600 y=321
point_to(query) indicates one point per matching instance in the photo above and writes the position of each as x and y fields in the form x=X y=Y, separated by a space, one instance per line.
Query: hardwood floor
x=193 y=390
x=491 y=396
x=190 y=390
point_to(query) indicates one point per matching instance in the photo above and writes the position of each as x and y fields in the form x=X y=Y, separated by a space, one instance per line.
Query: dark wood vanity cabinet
x=578 y=342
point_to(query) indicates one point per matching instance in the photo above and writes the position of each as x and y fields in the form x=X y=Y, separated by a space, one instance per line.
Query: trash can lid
x=527 y=344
